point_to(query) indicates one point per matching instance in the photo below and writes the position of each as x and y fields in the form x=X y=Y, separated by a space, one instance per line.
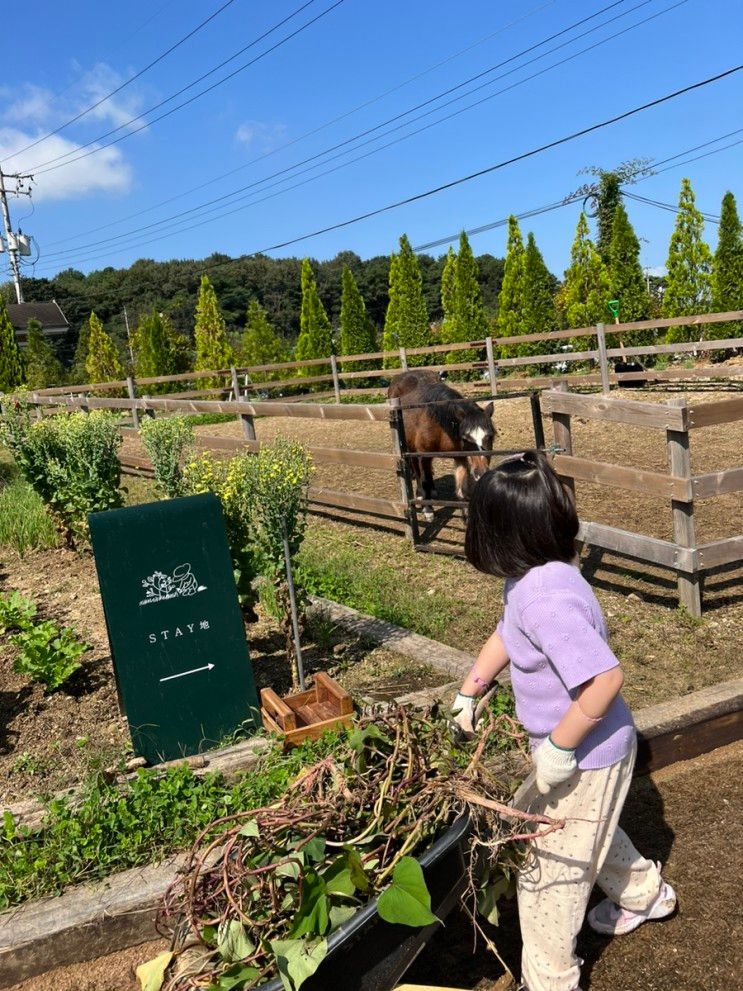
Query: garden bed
x=50 y=741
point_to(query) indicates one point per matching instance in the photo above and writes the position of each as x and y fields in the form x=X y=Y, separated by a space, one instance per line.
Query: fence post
x=336 y=380
x=399 y=448
x=679 y=463
x=245 y=418
x=536 y=419
x=131 y=388
x=403 y=359
x=492 y=369
x=603 y=359
x=562 y=434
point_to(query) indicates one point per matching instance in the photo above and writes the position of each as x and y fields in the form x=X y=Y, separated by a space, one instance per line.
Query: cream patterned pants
x=558 y=877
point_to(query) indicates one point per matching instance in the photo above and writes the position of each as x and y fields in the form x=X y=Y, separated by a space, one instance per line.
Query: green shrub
x=111 y=828
x=166 y=441
x=16 y=612
x=48 y=654
x=25 y=525
x=70 y=461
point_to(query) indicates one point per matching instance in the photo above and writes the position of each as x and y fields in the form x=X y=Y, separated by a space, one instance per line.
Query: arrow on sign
x=182 y=674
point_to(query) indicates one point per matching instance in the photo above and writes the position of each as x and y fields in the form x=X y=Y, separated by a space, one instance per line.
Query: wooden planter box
x=307 y=715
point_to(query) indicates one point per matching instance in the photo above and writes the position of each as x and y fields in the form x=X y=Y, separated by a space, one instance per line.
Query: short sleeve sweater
x=556 y=638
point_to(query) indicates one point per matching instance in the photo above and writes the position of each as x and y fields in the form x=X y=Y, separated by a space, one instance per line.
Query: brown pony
x=451 y=424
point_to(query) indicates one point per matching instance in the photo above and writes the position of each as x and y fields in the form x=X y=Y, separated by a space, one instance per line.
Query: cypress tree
x=260 y=344
x=11 y=371
x=78 y=372
x=471 y=323
x=153 y=346
x=42 y=367
x=406 y=323
x=688 y=289
x=315 y=337
x=210 y=335
x=538 y=314
x=627 y=283
x=511 y=298
x=102 y=363
x=585 y=291
x=448 y=292
x=727 y=270
x=357 y=332
x=609 y=197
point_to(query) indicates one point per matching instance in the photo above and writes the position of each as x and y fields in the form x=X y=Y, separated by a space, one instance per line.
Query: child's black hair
x=520 y=516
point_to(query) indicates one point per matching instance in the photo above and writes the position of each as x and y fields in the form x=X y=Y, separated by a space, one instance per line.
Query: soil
x=685 y=815
x=49 y=742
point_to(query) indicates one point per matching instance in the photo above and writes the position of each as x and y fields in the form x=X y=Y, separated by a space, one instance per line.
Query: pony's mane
x=445 y=413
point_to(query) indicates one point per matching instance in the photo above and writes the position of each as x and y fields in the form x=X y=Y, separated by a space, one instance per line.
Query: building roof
x=49 y=316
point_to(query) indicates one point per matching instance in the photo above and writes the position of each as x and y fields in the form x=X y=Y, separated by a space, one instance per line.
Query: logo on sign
x=159 y=586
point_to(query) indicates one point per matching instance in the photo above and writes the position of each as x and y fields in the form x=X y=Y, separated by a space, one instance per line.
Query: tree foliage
x=210 y=334
x=448 y=292
x=357 y=332
x=511 y=299
x=102 y=362
x=627 y=283
x=688 y=282
x=538 y=315
x=11 y=371
x=42 y=367
x=727 y=270
x=315 y=336
x=406 y=323
x=585 y=291
x=154 y=350
x=260 y=344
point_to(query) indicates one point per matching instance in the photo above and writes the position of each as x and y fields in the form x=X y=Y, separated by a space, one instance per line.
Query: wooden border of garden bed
x=91 y=920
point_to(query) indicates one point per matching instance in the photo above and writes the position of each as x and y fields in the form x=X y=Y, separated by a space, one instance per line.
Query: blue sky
x=396 y=54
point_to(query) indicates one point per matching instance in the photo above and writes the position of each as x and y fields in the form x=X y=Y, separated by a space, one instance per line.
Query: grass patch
x=354 y=576
x=25 y=524
x=206 y=419
x=113 y=828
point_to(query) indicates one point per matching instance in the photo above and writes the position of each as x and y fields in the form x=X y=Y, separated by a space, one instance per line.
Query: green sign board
x=174 y=624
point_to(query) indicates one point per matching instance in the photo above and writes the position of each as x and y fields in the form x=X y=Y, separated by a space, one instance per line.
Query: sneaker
x=610 y=919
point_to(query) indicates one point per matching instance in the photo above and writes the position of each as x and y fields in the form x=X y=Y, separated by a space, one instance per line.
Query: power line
x=713 y=218
x=49 y=166
x=307 y=134
x=417 y=197
x=175 y=219
x=127 y=82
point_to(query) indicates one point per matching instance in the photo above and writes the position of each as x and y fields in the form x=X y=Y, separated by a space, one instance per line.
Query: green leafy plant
x=48 y=654
x=70 y=460
x=166 y=441
x=16 y=612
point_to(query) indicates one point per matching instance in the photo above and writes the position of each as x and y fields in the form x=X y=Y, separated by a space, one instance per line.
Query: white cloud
x=261 y=135
x=107 y=171
x=28 y=112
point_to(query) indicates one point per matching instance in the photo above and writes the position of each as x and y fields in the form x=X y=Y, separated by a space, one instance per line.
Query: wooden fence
x=688 y=559
x=340 y=376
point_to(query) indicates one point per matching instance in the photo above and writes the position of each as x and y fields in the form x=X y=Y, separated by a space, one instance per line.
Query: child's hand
x=463 y=715
x=553 y=765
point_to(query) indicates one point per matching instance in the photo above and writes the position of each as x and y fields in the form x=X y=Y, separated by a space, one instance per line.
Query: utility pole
x=128 y=337
x=15 y=243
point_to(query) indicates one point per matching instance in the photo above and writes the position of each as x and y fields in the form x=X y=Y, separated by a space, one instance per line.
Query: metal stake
x=293 y=606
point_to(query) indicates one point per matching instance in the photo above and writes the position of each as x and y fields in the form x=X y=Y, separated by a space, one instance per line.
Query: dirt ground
x=685 y=815
x=49 y=742
x=712 y=449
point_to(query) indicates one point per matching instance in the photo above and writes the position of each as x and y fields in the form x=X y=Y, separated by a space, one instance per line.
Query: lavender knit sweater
x=556 y=638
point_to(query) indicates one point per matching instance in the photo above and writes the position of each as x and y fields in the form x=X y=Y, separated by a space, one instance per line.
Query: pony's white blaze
x=477 y=436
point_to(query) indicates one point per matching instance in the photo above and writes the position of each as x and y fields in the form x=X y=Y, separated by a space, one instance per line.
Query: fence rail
x=337 y=371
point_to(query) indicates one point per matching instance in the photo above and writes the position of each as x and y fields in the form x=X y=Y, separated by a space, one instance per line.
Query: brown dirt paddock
x=712 y=449
x=686 y=815
x=48 y=742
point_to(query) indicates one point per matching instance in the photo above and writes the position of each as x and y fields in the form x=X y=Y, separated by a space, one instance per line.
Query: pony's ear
x=488 y=411
x=459 y=411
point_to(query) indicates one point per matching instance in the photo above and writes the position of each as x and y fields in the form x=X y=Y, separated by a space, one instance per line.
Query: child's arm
x=593 y=702
x=490 y=662
x=555 y=757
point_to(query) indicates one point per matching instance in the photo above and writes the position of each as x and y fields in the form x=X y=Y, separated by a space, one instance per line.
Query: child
x=522 y=527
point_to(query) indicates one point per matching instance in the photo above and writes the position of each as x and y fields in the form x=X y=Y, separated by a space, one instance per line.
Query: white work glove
x=553 y=765
x=463 y=715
